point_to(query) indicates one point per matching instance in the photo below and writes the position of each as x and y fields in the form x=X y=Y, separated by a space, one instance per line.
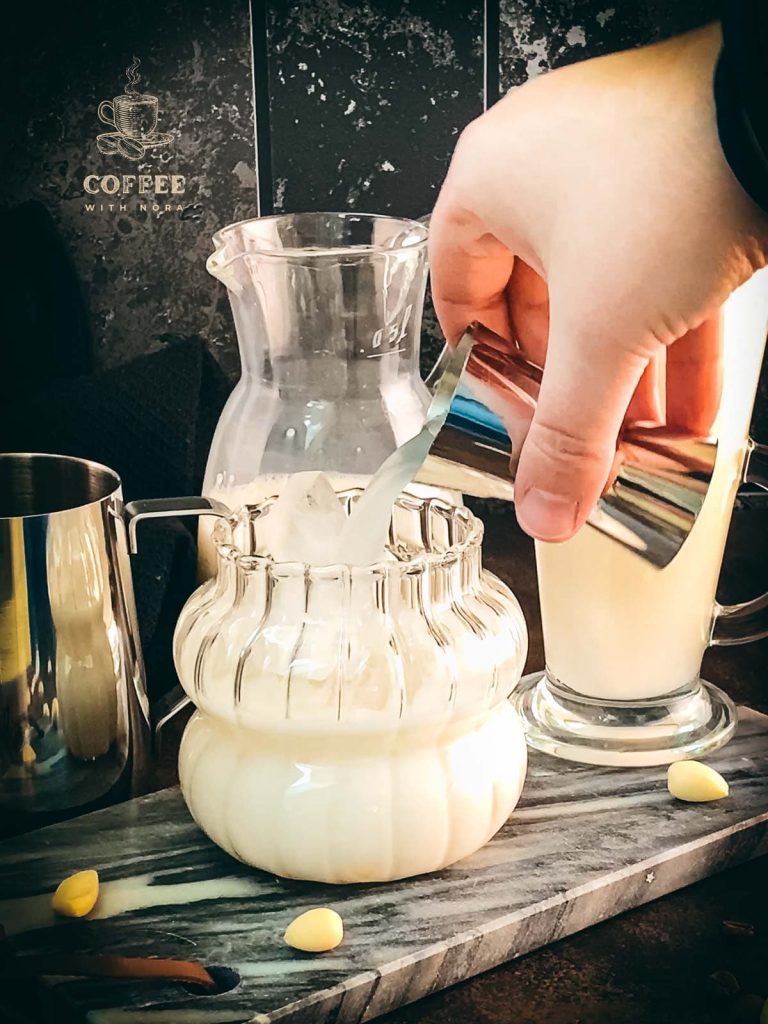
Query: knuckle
x=455 y=217
x=470 y=137
x=556 y=445
x=478 y=146
x=666 y=328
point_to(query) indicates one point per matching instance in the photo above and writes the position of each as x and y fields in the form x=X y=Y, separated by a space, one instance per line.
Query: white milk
x=353 y=805
x=615 y=628
x=346 y=732
x=271 y=484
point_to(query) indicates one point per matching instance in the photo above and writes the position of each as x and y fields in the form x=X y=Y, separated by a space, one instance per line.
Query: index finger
x=470 y=269
x=695 y=378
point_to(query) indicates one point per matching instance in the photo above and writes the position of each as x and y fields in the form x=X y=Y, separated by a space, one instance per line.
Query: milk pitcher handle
x=160 y=508
x=741 y=623
x=168 y=706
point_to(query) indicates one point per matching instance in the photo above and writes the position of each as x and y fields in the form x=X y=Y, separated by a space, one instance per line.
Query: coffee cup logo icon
x=134 y=117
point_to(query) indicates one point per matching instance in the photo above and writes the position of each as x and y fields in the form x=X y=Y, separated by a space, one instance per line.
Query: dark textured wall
x=143 y=273
x=367 y=100
x=358 y=107
x=537 y=36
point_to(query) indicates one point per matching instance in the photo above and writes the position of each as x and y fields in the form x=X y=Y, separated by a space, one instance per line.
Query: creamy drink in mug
x=624 y=640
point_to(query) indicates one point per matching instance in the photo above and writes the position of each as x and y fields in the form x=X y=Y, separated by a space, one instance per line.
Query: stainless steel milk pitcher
x=73 y=706
x=660 y=476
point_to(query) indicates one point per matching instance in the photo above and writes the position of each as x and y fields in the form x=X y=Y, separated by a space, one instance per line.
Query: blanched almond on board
x=315 y=931
x=695 y=782
x=76 y=896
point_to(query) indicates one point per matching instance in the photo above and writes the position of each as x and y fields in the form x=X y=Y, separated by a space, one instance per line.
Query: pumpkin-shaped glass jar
x=352 y=723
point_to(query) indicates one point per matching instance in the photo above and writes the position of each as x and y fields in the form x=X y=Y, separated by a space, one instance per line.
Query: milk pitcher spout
x=660 y=476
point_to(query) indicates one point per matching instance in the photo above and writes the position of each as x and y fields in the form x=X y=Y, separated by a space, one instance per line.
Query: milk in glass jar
x=352 y=722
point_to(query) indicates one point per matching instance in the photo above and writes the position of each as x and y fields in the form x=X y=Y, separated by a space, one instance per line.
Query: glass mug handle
x=107 y=112
x=741 y=623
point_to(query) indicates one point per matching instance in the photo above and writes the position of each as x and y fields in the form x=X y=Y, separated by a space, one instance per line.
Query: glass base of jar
x=691 y=722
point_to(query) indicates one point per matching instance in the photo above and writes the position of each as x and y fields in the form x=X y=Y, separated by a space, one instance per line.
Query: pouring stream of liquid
x=368 y=525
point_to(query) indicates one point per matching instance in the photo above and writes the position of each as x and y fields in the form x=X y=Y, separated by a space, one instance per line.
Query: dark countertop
x=653 y=964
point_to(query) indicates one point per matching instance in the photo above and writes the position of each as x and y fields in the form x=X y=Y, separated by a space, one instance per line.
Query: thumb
x=569 y=451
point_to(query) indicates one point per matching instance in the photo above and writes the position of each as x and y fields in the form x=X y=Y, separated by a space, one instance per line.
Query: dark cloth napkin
x=152 y=421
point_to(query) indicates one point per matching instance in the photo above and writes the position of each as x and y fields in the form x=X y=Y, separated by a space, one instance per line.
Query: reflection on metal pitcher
x=660 y=476
x=73 y=712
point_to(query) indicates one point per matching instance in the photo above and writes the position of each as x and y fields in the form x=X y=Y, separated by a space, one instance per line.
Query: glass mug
x=623 y=640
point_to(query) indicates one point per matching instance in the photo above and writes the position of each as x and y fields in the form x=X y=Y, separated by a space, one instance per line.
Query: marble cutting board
x=585 y=844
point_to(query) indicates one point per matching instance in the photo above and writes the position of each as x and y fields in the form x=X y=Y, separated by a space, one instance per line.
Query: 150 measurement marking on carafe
x=385 y=339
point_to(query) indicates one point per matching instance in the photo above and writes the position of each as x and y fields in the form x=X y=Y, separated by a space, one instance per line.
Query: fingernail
x=547 y=516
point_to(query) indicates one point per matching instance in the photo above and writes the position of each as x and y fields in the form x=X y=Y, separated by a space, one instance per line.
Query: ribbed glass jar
x=353 y=723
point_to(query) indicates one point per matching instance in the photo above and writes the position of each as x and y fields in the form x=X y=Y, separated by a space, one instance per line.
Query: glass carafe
x=327 y=308
x=365 y=708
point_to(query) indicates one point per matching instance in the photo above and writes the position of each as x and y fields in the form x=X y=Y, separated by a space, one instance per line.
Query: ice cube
x=305 y=523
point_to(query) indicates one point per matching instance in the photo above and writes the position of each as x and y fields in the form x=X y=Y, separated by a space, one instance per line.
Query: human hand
x=591 y=216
